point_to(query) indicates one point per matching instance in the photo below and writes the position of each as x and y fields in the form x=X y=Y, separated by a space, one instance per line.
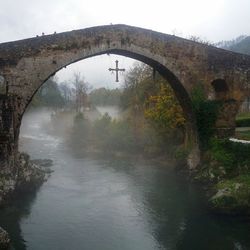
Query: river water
x=92 y=204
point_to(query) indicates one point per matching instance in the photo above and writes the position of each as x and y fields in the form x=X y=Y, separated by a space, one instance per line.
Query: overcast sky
x=213 y=20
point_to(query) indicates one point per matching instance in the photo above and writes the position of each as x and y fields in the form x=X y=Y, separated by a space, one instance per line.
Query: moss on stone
x=232 y=196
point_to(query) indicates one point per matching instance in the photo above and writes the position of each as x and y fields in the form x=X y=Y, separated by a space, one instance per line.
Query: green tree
x=101 y=130
x=104 y=97
x=80 y=134
x=49 y=95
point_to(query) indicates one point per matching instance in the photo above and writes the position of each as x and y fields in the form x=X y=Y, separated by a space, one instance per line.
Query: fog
x=100 y=64
x=61 y=126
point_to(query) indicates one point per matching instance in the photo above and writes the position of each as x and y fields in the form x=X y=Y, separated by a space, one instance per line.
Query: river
x=92 y=204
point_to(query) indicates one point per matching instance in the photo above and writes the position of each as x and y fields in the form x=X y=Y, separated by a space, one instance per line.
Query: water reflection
x=12 y=215
x=176 y=212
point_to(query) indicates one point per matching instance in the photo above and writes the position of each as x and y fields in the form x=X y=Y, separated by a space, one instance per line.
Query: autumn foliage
x=164 y=110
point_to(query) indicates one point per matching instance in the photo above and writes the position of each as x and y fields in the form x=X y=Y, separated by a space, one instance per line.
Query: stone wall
x=8 y=149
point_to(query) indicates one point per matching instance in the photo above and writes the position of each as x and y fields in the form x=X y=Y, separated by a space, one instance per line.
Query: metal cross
x=116 y=70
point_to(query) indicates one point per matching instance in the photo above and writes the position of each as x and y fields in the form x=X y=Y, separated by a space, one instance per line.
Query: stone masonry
x=26 y=64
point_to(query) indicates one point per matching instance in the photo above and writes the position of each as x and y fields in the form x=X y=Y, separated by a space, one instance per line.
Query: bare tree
x=81 y=89
x=67 y=92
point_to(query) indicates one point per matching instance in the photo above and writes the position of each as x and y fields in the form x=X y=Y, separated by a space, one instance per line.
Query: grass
x=230 y=183
x=243 y=120
x=242 y=116
x=243 y=135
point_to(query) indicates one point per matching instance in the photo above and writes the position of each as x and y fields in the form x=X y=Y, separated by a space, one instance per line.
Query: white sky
x=213 y=20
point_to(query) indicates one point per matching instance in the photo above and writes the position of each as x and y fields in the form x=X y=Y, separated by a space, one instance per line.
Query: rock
x=28 y=177
x=43 y=162
x=221 y=193
x=4 y=240
x=232 y=197
x=31 y=175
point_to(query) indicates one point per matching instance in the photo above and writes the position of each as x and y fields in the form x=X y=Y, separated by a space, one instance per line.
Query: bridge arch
x=172 y=79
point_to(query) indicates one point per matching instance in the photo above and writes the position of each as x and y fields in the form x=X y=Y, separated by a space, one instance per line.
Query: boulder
x=232 y=197
x=4 y=240
x=42 y=162
x=29 y=177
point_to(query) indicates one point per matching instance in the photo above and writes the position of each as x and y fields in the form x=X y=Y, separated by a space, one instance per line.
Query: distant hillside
x=240 y=45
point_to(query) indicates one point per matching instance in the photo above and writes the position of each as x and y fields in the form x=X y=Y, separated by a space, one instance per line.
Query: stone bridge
x=26 y=64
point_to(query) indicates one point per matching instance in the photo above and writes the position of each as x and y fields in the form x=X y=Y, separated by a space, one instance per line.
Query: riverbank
x=4 y=240
x=225 y=174
x=30 y=176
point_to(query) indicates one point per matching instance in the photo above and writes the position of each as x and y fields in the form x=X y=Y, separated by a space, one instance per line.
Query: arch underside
x=175 y=83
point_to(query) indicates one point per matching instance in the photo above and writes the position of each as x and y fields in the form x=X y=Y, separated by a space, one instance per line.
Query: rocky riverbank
x=30 y=175
x=226 y=176
x=4 y=240
x=232 y=196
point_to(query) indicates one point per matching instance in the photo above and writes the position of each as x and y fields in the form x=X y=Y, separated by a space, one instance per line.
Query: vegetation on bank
x=103 y=135
x=105 y=97
x=227 y=169
x=206 y=112
x=225 y=164
x=152 y=123
x=243 y=120
x=243 y=135
x=232 y=196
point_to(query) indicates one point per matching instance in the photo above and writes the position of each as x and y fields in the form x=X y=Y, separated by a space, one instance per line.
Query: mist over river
x=109 y=204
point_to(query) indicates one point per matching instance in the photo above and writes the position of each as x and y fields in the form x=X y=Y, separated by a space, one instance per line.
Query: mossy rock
x=210 y=173
x=232 y=196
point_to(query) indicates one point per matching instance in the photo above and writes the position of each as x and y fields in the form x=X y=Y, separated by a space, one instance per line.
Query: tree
x=49 y=95
x=164 y=110
x=80 y=134
x=151 y=104
x=81 y=88
x=66 y=92
x=137 y=87
x=104 y=96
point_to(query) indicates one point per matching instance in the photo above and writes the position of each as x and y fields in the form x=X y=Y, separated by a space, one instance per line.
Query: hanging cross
x=116 y=70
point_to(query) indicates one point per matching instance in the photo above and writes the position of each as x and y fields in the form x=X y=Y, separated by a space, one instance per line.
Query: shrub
x=233 y=156
x=243 y=122
x=206 y=112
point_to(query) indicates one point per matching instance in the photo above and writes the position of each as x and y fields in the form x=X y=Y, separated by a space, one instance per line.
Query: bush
x=233 y=156
x=80 y=134
x=122 y=137
x=221 y=153
x=206 y=112
x=243 y=122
